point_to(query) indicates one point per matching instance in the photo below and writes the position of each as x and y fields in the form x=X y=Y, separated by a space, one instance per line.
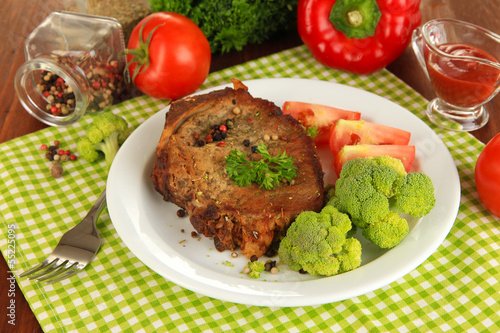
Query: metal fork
x=74 y=251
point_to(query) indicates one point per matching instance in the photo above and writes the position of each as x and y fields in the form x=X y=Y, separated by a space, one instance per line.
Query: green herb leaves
x=312 y=131
x=267 y=172
x=231 y=24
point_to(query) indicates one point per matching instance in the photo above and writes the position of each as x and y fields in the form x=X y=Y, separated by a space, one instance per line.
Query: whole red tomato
x=488 y=175
x=171 y=54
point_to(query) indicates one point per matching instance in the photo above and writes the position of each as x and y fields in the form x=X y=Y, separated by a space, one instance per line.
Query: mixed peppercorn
x=57 y=155
x=217 y=133
x=54 y=153
x=59 y=96
x=104 y=78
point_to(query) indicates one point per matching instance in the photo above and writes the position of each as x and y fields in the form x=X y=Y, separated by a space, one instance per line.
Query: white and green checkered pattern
x=456 y=289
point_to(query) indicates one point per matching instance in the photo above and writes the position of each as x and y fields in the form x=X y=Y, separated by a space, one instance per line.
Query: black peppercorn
x=254 y=149
x=270 y=252
x=181 y=213
x=217 y=136
x=268 y=266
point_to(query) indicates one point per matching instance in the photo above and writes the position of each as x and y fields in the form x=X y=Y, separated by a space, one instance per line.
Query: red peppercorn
x=72 y=157
x=209 y=139
x=67 y=152
x=221 y=144
x=46 y=93
x=60 y=94
x=43 y=147
x=61 y=152
x=54 y=109
x=104 y=84
x=223 y=128
x=96 y=85
x=60 y=80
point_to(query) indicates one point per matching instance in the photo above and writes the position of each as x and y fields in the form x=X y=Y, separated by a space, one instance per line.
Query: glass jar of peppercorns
x=74 y=65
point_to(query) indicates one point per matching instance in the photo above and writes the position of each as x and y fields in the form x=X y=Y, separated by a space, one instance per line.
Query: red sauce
x=463 y=83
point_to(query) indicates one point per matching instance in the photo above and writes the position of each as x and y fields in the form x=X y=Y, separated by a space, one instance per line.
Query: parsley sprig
x=267 y=172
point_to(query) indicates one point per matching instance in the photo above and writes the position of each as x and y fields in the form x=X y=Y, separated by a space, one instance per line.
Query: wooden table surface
x=19 y=18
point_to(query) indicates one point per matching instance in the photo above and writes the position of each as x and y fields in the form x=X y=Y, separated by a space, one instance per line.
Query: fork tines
x=53 y=271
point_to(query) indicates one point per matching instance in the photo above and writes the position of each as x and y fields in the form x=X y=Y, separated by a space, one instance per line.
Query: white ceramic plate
x=151 y=229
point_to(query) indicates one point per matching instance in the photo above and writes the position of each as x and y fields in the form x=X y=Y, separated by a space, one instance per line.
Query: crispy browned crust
x=195 y=179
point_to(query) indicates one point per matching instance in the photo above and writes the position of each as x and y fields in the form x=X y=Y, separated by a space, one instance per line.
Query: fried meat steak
x=189 y=170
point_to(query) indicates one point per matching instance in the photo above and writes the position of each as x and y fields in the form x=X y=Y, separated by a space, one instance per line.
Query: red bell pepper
x=359 y=36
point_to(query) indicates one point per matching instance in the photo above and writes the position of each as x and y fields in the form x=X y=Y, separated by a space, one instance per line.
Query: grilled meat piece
x=189 y=169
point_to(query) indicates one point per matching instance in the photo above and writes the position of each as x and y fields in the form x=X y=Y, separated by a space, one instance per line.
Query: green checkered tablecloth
x=456 y=289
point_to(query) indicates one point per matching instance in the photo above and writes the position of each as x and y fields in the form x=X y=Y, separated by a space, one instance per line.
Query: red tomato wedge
x=353 y=132
x=320 y=116
x=403 y=152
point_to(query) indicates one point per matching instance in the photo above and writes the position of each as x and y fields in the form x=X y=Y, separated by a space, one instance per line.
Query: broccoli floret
x=415 y=195
x=103 y=137
x=350 y=256
x=256 y=267
x=363 y=192
x=388 y=232
x=374 y=191
x=394 y=163
x=316 y=243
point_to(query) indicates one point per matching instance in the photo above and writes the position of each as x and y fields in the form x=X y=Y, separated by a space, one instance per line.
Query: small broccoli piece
x=384 y=178
x=388 y=232
x=256 y=267
x=394 y=163
x=103 y=138
x=334 y=201
x=317 y=243
x=374 y=191
x=350 y=256
x=86 y=149
x=415 y=195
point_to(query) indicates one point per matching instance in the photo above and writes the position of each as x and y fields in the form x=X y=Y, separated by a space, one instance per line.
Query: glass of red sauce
x=462 y=62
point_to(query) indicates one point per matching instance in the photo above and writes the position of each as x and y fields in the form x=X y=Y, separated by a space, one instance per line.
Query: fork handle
x=88 y=224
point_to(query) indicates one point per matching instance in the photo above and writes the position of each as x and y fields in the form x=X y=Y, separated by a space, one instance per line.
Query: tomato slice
x=405 y=153
x=352 y=132
x=321 y=117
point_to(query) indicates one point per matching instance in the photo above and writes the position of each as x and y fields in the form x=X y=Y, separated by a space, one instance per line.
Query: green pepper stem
x=355 y=18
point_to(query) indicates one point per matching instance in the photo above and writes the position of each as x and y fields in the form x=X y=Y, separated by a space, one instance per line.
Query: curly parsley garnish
x=268 y=172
